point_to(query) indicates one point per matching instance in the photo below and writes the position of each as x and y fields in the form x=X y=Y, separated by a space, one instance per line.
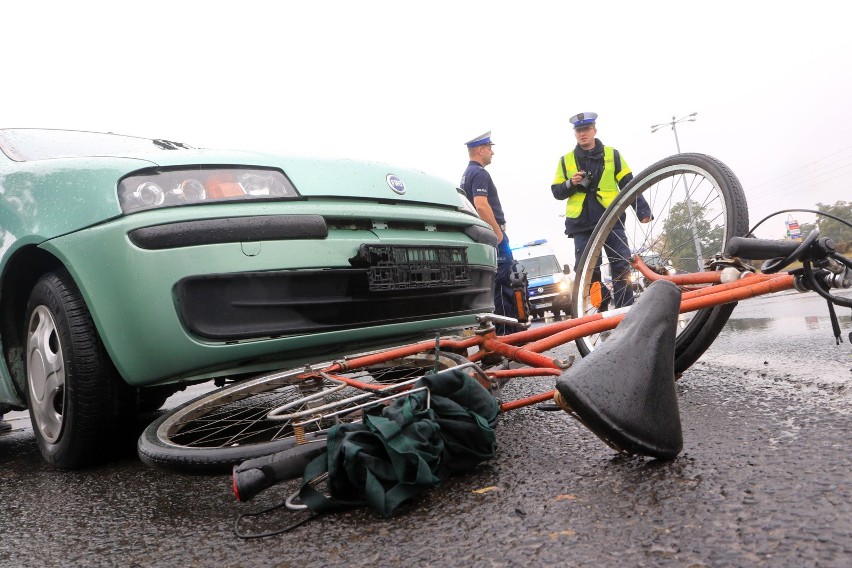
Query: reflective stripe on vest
x=607 y=187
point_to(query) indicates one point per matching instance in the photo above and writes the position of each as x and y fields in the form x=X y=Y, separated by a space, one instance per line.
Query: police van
x=550 y=282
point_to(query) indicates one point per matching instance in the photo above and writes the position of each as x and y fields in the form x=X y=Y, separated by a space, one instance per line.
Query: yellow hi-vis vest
x=607 y=187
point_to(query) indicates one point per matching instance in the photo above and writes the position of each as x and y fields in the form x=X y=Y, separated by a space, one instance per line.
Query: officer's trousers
x=618 y=255
x=504 y=298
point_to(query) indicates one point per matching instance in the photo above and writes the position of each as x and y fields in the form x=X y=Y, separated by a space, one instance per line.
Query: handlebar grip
x=760 y=248
x=254 y=475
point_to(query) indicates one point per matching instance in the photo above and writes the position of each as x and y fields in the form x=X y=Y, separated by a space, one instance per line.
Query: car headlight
x=564 y=285
x=466 y=206
x=169 y=188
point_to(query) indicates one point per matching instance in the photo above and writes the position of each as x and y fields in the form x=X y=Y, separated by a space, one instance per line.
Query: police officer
x=589 y=177
x=482 y=193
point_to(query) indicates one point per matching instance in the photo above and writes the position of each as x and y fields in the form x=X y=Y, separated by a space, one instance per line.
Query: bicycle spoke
x=696 y=204
x=239 y=416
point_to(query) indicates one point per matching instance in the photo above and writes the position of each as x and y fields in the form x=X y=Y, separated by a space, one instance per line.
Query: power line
x=810 y=174
x=794 y=185
x=785 y=175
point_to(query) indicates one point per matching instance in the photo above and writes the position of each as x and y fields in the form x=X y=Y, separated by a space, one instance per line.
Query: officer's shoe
x=5 y=426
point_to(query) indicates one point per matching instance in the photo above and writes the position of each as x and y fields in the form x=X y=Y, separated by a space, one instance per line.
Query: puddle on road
x=795 y=356
x=784 y=326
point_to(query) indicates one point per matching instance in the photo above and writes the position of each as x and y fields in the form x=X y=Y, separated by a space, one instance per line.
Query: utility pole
x=673 y=123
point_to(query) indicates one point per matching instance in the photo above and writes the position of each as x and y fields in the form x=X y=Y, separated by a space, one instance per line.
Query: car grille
x=270 y=304
x=394 y=267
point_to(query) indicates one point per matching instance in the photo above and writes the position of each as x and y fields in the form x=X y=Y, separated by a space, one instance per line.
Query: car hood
x=88 y=196
x=314 y=177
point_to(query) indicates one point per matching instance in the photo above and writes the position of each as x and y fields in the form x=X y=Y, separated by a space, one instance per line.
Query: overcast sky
x=408 y=83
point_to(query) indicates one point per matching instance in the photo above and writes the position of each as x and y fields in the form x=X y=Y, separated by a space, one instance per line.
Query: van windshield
x=654 y=261
x=540 y=266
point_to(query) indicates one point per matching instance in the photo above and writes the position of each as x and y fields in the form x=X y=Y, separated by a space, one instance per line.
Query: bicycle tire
x=722 y=213
x=220 y=429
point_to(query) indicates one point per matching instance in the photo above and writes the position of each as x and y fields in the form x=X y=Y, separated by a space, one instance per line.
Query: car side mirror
x=566 y=269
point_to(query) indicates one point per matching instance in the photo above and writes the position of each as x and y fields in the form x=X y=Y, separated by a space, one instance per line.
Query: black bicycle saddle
x=624 y=390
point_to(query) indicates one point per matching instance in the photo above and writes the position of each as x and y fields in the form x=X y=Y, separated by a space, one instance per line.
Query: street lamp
x=673 y=123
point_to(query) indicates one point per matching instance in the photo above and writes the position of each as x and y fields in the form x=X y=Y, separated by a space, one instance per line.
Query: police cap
x=480 y=140
x=583 y=119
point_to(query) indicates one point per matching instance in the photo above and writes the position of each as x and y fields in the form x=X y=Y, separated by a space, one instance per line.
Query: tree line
x=840 y=233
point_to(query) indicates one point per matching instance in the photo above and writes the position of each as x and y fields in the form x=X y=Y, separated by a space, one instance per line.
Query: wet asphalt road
x=764 y=480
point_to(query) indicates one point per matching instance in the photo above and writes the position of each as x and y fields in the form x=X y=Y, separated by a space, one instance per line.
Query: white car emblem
x=396 y=184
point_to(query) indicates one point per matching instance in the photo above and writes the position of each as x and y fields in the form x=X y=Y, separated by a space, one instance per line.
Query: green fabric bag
x=400 y=450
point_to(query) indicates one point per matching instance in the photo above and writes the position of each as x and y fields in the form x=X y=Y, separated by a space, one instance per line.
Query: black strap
x=564 y=171
x=261 y=534
x=596 y=176
x=312 y=497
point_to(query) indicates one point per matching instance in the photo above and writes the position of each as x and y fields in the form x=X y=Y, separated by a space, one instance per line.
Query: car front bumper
x=207 y=308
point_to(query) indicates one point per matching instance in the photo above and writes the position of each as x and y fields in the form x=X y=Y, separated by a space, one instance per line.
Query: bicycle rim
x=697 y=205
x=230 y=425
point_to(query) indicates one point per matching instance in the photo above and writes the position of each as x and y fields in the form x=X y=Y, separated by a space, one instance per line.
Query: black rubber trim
x=247 y=305
x=481 y=235
x=230 y=230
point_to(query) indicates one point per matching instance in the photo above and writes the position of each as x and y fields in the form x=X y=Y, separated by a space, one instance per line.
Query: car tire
x=72 y=385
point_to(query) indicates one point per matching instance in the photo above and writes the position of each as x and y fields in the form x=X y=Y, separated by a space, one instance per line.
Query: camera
x=584 y=183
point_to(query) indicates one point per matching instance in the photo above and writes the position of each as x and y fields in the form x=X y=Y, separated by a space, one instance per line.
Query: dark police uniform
x=476 y=181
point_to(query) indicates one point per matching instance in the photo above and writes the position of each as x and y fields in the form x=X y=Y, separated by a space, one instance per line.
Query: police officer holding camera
x=589 y=177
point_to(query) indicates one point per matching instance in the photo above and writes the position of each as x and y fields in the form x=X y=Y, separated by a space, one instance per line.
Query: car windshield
x=541 y=266
x=25 y=144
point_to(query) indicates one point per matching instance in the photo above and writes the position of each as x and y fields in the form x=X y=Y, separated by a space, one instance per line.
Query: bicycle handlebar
x=760 y=248
x=253 y=476
x=813 y=248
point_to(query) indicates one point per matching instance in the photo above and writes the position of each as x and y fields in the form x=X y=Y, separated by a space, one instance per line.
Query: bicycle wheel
x=697 y=204
x=232 y=424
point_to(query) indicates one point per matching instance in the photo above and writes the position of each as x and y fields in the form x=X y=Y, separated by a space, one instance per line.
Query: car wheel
x=72 y=385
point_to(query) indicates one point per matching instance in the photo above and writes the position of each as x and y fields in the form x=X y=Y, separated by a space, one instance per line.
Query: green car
x=132 y=267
